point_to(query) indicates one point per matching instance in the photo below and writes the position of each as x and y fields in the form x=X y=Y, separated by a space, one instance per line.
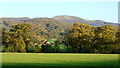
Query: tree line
x=80 y=38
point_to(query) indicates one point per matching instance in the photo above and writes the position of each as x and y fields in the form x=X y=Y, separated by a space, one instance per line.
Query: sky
x=106 y=11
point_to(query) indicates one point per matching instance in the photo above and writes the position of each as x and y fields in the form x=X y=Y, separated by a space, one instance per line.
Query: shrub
x=48 y=48
x=61 y=48
x=2 y=48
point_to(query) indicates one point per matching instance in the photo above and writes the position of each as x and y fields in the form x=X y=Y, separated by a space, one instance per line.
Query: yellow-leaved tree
x=80 y=36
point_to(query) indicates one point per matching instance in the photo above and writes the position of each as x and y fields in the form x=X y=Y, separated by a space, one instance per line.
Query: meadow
x=59 y=59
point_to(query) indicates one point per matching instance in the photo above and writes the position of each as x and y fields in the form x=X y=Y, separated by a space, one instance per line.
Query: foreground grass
x=58 y=59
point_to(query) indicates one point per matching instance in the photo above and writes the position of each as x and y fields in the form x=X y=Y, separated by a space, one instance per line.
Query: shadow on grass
x=105 y=64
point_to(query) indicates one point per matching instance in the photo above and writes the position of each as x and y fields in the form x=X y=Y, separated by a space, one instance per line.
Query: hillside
x=52 y=27
x=60 y=20
x=42 y=26
x=74 y=19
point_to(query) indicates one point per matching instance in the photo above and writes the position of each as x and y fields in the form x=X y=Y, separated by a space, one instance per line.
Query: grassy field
x=58 y=59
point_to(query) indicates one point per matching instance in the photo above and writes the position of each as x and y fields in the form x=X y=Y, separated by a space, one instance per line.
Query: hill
x=48 y=27
x=51 y=27
x=74 y=19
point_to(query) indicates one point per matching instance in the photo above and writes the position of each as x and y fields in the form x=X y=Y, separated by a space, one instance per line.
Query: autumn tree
x=17 y=37
x=116 y=47
x=105 y=36
x=80 y=35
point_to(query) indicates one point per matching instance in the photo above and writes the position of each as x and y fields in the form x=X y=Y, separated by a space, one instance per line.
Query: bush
x=70 y=50
x=28 y=48
x=34 y=48
x=61 y=48
x=2 y=48
x=37 y=49
x=9 y=49
x=48 y=48
x=116 y=48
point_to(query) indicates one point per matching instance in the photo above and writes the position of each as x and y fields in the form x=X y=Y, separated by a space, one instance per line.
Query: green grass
x=52 y=40
x=58 y=59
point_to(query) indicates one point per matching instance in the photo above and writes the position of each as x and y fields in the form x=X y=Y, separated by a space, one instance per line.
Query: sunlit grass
x=58 y=59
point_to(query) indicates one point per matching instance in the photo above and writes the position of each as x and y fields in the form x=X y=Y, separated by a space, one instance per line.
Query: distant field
x=58 y=59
